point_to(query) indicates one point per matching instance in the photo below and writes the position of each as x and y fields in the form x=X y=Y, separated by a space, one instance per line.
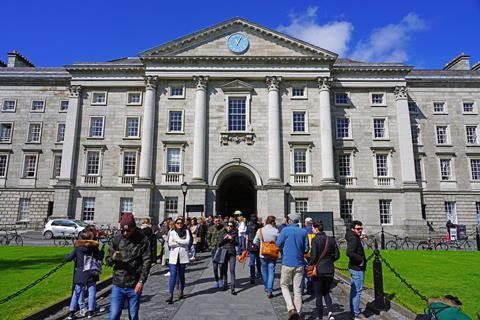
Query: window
x=301 y=205
x=475 y=169
x=63 y=106
x=57 y=165
x=34 y=133
x=415 y=133
x=6 y=129
x=468 y=107
x=342 y=99
x=99 y=98
x=237 y=113
x=299 y=124
x=177 y=91
x=30 y=166
x=442 y=135
x=381 y=161
x=477 y=207
x=96 y=127
x=9 y=105
x=385 y=208
x=471 y=134
x=38 y=105
x=126 y=205
x=451 y=211
x=344 y=165
x=346 y=211
x=61 y=132
x=92 y=167
x=129 y=163
x=299 y=93
x=134 y=98
x=300 y=161
x=171 y=207
x=343 y=128
x=88 y=209
x=378 y=99
x=379 y=128
x=173 y=160
x=23 y=209
x=418 y=169
x=175 y=121
x=3 y=165
x=439 y=107
x=446 y=169
x=132 y=127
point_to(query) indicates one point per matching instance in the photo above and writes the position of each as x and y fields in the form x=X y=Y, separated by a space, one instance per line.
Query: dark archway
x=236 y=192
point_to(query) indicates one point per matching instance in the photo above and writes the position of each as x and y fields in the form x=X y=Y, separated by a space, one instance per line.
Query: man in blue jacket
x=294 y=241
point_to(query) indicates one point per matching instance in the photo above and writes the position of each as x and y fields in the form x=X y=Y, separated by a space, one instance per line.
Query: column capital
x=324 y=83
x=201 y=82
x=151 y=82
x=273 y=82
x=400 y=92
x=74 y=91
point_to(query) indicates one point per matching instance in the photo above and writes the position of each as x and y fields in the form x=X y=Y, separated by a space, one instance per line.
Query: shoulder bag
x=268 y=249
x=312 y=269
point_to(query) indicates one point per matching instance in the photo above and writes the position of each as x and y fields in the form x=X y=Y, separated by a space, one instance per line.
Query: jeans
x=321 y=286
x=254 y=260
x=356 y=290
x=286 y=276
x=118 y=297
x=215 y=266
x=230 y=261
x=176 y=271
x=242 y=246
x=268 y=273
x=77 y=296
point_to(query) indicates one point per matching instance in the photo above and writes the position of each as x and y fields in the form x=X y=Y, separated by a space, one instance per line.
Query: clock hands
x=238 y=41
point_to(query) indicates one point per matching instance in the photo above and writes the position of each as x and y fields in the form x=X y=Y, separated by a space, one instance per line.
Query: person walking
x=323 y=253
x=356 y=265
x=84 y=275
x=194 y=230
x=178 y=241
x=253 y=250
x=228 y=240
x=147 y=230
x=202 y=235
x=213 y=234
x=294 y=241
x=130 y=257
x=268 y=233
x=242 y=235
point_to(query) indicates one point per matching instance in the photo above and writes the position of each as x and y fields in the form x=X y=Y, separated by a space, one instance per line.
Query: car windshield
x=81 y=223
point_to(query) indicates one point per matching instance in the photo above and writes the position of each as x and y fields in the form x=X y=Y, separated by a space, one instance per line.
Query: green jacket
x=443 y=311
x=212 y=236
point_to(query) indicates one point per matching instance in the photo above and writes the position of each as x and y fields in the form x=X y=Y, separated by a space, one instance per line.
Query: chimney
x=2 y=64
x=460 y=62
x=15 y=59
x=476 y=66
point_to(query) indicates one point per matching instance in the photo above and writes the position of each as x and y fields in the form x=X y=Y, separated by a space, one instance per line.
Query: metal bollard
x=478 y=240
x=379 y=304
x=382 y=239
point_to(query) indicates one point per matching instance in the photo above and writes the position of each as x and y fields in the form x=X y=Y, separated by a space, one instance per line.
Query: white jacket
x=178 y=248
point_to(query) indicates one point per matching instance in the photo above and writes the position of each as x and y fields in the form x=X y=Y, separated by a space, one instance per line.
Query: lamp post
x=184 y=187
x=288 y=188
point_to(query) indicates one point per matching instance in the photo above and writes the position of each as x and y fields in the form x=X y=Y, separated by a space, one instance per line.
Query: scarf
x=182 y=233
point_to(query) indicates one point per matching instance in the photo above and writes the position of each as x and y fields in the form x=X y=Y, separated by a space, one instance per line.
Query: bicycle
x=432 y=244
x=65 y=241
x=396 y=244
x=460 y=244
x=369 y=242
x=10 y=236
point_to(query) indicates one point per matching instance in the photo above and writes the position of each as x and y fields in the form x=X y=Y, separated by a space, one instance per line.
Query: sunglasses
x=230 y=225
x=179 y=222
x=358 y=228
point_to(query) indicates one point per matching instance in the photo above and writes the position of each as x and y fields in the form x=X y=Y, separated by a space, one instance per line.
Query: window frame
x=121 y=205
x=350 y=206
x=11 y=131
x=182 y=131
x=390 y=212
x=307 y=159
x=418 y=131
x=301 y=200
x=302 y=97
x=305 y=123
x=14 y=105
x=7 y=159
x=385 y=129
x=477 y=142
x=172 y=86
x=37 y=100
x=350 y=134
x=474 y=107
x=84 y=200
x=351 y=165
x=452 y=169
x=239 y=95
x=39 y=133
x=476 y=158
x=59 y=124
x=347 y=104
x=445 y=107
x=447 y=134
x=166 y=212
x=20 y=215
x=130 y=93
x=96 y=93
x=90 y=128
x=60 y=106
x=56 y=155
x=100 y=162
x=139 y=130
x=166 y=163
x=454 y=213
x=25 y=155
x=123 y=163
x=384 y=99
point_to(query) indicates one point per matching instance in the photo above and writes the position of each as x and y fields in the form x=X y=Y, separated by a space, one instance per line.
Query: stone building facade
x=248 y=119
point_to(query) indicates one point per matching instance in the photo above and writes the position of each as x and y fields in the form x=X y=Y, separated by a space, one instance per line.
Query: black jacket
x=136 y=259
x=83 y=248
x=325 y=266
x=228 y=244
x=355 y=252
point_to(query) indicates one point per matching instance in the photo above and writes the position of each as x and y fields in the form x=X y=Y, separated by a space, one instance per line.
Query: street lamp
x=184 y=187
x=288 y=188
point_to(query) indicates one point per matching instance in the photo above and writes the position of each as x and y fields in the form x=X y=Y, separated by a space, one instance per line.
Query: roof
x=34 y=73
x=444 y=74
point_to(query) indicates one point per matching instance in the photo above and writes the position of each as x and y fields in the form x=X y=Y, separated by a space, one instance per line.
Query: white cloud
x=389 y=43
x=333 y=36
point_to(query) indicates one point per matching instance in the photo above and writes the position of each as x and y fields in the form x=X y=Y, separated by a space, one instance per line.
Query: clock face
x=238 y=43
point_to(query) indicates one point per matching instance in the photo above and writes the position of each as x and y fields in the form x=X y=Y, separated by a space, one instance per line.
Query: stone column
x=405 y=136
x=200 y=128
x=326 y=131
x=146 y=154
x=274 y=134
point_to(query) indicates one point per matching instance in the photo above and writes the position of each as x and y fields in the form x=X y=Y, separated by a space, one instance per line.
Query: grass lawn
x=21 y=266
x=433 y=273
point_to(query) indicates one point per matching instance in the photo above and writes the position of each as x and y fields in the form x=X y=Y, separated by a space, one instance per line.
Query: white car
x=61 y=227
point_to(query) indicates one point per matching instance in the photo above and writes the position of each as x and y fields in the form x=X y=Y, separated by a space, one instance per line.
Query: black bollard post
x=382 y=239
x=379 y=303
x=478 y=240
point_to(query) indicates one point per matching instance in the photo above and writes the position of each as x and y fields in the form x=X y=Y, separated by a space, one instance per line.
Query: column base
x=274 y=181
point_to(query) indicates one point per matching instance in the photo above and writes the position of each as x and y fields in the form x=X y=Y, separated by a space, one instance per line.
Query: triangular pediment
x=263 y=42
x=237 y=86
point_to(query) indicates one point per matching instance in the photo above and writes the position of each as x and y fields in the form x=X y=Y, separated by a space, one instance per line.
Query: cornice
x=237 y=58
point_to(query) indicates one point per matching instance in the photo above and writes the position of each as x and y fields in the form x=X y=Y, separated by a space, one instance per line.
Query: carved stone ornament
x=400 y=93
x=273 y=83
x=151 y=82
x=248 y=137
x=324 y=83
x=201 y=82
x=75 y=91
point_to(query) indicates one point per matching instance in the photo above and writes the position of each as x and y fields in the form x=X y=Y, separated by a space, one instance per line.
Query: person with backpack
x=88 y=259
x=253 y=250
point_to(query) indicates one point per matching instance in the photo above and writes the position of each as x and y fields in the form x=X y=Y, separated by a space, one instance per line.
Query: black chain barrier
x=33 y=284
x=366 y=261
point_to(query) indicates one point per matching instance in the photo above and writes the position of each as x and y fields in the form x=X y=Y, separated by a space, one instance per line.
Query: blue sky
x=423 y=33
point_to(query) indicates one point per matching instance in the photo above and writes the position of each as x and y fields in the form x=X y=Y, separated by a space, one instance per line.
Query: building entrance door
x=236 y=192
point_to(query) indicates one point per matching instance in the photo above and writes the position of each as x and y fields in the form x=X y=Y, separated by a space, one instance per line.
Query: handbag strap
x=323 y=252
x=261 y=235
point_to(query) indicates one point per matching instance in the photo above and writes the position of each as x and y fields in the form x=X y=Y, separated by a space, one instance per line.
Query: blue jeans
x=176 y=271
x=268 y=273
x=242 y=246
x=254 y=261
x=117 y=298
x=77 y=296
x=356 y=290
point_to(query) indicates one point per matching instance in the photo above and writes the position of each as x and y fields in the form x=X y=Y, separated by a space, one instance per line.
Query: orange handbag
x=269 y=249
x=312 y=269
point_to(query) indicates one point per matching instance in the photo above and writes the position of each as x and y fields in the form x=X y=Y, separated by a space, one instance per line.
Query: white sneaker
x=167 y=274
x=330 y=316
x=83 y=311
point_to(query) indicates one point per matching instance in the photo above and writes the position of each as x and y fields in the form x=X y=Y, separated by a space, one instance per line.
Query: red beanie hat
x=128 y=221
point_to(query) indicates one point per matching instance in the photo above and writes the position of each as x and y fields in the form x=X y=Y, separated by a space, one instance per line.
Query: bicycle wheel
x=55 y=242
x=408 y=245
x=19 y=241
x=3 y=241
x=441 y=246
x=423 y=246
x=468 y=245
x=391 y=245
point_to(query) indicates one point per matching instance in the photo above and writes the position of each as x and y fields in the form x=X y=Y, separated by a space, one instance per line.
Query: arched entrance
x=236 y=192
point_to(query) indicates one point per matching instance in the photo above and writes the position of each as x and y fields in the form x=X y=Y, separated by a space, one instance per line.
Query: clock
x=238 y=43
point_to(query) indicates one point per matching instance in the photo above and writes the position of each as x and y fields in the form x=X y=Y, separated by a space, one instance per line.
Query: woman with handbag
x=269 y=252
x=324 y=253
x=228 y=241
